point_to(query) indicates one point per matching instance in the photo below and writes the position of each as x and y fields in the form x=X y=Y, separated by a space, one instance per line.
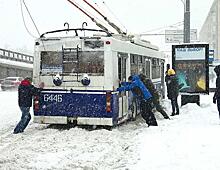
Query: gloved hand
x=119 y=89
x=214 y=100
x=41 y=85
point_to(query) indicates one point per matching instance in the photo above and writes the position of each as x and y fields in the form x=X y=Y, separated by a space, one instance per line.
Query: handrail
x=75 y=29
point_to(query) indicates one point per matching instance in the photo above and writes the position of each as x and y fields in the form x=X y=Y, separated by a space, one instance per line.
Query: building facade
x=210 y=30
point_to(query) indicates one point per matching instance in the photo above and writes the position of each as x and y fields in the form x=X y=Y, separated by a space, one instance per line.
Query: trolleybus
x=81 y=74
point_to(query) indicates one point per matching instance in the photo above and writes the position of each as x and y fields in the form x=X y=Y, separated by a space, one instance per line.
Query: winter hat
x=130 y=78
x=29 y=79
x=142 y=77
x=170 y=72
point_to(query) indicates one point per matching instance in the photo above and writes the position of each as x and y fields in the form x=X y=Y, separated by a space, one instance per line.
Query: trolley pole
x=186 y=21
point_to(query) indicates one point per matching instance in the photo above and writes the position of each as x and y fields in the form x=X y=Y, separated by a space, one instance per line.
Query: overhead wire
x=25 y=25
x=32 y=21
x=31 y=18
x=160 y=28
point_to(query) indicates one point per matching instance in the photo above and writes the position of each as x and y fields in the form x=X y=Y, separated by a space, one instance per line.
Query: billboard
x=191 y=63
x=176 y=36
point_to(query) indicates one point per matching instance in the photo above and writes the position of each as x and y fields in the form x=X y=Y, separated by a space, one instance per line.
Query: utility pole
x=186 y=21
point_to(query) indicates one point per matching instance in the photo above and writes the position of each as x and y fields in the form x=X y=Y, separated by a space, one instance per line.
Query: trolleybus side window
x=141 y=65
x=155 y=68
x=134 y=64
x=137 y=64
x=148 y=67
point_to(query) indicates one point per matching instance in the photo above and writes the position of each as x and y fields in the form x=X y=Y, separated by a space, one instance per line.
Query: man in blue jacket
x=143 y=95
x=25 y=93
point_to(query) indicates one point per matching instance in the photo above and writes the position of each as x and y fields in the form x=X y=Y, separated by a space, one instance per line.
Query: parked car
x=1 y=80
x=11 y=83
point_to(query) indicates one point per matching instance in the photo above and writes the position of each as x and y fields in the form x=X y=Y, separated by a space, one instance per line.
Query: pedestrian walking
x=26 y=91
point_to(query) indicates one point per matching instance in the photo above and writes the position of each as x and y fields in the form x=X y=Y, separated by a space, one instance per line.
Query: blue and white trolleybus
x=82 y=72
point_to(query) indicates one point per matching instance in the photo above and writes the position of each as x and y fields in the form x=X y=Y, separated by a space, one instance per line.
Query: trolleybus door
x=123 y=96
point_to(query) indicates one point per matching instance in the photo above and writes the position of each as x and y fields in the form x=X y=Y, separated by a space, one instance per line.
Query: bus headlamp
x=57 y=80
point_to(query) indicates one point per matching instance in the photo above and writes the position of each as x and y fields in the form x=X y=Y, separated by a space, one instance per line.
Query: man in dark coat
x=172 y=90
x=155 y=95
x=25 y=93
x=143 y=95
x=216 y=96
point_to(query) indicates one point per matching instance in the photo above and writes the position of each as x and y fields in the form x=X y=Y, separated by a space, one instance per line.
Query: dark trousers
x=147 y=114
x=218 y=105
x=175 y=106
x=25 y=119
x=159 y=108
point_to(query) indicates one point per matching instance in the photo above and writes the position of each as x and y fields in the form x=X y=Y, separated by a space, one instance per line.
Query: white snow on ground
x=189 y=141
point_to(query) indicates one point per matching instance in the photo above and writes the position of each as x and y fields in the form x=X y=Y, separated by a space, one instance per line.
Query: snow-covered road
x=189 y=141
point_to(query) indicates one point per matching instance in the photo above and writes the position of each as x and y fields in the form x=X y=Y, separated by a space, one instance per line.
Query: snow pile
x=188 y=141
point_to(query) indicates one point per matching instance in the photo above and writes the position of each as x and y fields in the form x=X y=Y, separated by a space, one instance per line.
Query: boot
x=153 y=123
x=166 y=117
x=177 y=112
x=173 y=114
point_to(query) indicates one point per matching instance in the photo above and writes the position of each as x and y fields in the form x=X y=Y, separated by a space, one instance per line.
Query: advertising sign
x=191 y=63
x=176 y=36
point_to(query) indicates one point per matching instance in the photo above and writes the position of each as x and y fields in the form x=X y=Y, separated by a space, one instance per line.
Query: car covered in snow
x=11 y=83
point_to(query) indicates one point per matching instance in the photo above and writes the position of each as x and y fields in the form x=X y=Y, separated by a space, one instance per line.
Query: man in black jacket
x=25 y=93
x=155 y=95
x=216 y=96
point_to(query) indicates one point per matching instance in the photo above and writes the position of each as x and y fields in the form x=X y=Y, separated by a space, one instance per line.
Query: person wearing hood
x=155 y=95
x=173 y=91
x=26 y=91
x=143 y=95
x=216 y=96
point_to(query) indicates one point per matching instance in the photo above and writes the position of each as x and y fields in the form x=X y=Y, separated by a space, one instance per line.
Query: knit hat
x=170 y=72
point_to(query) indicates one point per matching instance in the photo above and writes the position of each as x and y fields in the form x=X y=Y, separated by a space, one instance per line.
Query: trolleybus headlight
x=57 y=80
x=85 y=80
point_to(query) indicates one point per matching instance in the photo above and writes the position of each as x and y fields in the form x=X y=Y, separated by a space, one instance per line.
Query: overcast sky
x=137 y=16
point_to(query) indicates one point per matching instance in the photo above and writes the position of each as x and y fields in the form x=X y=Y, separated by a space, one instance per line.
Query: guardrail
x=15 y=56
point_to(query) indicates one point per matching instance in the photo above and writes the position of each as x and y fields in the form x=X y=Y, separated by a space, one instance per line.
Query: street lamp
x=186 y=30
